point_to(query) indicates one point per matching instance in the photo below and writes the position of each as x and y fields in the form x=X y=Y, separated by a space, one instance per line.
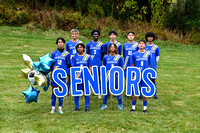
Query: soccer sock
x=76 y=101
x=119 y=98
x=60 y=99
x=105 y=98
x=53 y=100
x=133 y=105
x=87 y=102
x=144 y=105
x=68 y=86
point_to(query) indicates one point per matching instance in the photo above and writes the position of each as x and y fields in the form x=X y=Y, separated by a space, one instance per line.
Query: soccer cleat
x=155 y=97
x=60 y=111
x=76 y=110
x=103 y=106
x=132 y=110
x=99 y=96
x=87 y=110
x=145 y=111
x=52 y=111
x=120 y=107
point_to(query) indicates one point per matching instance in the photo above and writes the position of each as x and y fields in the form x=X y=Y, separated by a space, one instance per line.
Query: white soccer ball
x=31 y=77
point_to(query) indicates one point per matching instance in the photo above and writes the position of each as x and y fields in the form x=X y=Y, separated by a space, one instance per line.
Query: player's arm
x=87 y=48
x=120 y=49
x=157 y=54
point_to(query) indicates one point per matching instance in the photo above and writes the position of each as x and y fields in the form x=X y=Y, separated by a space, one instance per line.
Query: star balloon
x=31 y=94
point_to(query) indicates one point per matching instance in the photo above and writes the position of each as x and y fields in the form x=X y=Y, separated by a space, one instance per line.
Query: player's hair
x=142 y=41
x=60 y=38
x=131 y=32
x=116 y=49
x=95 y=30
x=82 y=44
x=113 y=31
x=150 y=34
x=74 y=30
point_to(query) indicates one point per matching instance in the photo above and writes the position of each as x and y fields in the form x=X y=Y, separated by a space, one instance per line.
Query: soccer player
x=128 y=49
x=70 y=47
x=154 y=49
x=81 y=59
x=95 y=48
x=62 y=60
x=112 y=36
x=142 y=60
x=110 y=60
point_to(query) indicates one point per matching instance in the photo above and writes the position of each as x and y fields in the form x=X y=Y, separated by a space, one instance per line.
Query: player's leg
x=68 y=82
x=134 y=99
x=76 y=98
x=145 y=105
x=87 y=103
x=53 y=100
x=119 y=98
x=60 y=100
x=155 y=95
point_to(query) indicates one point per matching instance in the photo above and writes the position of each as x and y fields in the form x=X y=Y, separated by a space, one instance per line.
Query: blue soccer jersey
x=128 y=50
x=81 y=61
x=95 y=49
x=141 y=60
x=62 y=59
x=154 y=49
x=71 y=47
x=118 y=44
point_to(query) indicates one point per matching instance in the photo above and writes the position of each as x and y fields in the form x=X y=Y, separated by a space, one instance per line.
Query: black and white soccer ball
x=31 y=77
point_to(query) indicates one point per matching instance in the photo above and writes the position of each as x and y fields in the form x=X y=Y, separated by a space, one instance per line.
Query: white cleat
x=52 y=111
x=60 y=111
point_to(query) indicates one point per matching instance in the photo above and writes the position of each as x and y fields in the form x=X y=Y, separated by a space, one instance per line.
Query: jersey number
x=59 y=62
x=129 y=52
x=74 y=51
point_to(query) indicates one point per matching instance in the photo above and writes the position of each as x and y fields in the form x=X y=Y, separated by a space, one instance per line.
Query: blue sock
x=133 y=102
x=68 y=86
x=53 y=100
x=119 y=98
x=87 y=102
x=76 y=101
x=60 y=99
x=105 y=98
x=144 y=103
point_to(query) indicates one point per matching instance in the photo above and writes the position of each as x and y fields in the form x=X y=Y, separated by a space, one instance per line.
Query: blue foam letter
x=120 y=88
x=75 y=81
x=133 y=83
x=91 y=81
x=103 y=80
x=145 y=77
x=59 y=82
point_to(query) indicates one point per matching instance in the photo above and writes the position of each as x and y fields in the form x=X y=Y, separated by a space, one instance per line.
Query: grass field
x=177 y=109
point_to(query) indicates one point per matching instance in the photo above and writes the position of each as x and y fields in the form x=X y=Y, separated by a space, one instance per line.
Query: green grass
x=177 y=109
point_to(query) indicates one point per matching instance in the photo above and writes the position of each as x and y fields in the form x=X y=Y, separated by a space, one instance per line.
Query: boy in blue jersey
x=112 y=36
x=70 y=47
x=110 y=60
x=95 y=49
x=154 y=49
x=62 y=60
x=81 y=59
x=142 y=60
x=128 y=49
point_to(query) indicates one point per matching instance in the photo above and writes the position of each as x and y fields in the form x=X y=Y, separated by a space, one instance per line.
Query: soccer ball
x=31 y=77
